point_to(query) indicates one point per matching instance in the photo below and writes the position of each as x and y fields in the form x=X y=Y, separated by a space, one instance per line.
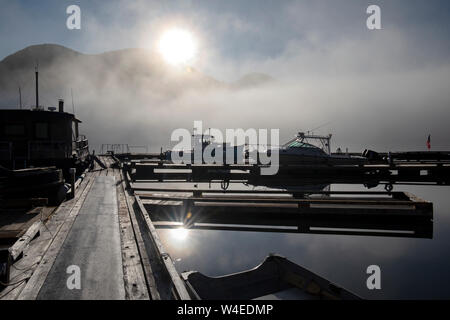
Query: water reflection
x=411 y=267
x=179 y=234
x=320 y=212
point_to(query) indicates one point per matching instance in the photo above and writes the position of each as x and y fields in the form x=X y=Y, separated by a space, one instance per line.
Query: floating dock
x=398 y=172
x=347 y=213
x=107 y=233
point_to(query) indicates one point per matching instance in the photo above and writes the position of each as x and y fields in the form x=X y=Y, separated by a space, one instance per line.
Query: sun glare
x=179 y=234
x=177 y=46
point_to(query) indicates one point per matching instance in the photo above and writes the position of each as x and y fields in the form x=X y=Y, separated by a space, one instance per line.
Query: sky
x=232 y=32
x=384 y=89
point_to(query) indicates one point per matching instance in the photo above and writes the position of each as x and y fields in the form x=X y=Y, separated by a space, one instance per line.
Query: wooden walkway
x=92 y=246
x=41 y=271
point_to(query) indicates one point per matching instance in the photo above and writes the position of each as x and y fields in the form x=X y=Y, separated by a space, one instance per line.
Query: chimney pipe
x=61 y=105
x=37 y=87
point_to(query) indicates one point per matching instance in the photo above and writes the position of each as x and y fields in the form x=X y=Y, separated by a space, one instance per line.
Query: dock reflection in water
x=412 y=266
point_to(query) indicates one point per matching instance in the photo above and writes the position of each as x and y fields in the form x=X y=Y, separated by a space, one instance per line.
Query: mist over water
x=382 y=90
x=119 y=104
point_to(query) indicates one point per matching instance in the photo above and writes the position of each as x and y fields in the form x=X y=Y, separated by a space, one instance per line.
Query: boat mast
x=73 y=106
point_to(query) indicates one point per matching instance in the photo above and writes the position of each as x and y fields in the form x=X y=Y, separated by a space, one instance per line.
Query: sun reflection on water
x=179 y=234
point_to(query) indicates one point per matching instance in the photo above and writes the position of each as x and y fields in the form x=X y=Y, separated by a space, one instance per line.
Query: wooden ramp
x=93 y=246
x=95 y=230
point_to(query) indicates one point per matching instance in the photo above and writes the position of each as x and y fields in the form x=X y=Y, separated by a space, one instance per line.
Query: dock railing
x=115 y=148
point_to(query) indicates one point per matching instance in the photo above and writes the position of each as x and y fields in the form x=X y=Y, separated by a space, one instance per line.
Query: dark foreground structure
x=36 y=138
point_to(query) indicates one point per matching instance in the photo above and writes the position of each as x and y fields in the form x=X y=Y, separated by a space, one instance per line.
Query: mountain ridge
x=129 y=65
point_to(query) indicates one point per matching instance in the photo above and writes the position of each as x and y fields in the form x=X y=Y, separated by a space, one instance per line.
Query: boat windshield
x=299 y=144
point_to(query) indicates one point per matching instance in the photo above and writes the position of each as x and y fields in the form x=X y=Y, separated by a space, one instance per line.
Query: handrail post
x=72 y=182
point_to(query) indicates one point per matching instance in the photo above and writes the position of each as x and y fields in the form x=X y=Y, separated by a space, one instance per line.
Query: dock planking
x=25 y=268
x=29 y=273
x=138 y=281
x=93 y=246
x=58 y=229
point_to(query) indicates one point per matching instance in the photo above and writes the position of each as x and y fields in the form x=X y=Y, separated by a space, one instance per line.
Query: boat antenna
x=37 y=85
x=73 y=105
x=321 y=126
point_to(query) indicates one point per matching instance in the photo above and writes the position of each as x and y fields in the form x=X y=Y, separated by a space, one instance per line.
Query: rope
x=26 y=268
x=11 y=284
x=224 y=184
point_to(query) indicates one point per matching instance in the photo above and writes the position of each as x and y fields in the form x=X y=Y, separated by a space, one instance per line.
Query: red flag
x=429 y=142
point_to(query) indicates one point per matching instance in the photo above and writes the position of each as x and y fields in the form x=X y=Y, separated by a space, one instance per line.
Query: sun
x=177 y=46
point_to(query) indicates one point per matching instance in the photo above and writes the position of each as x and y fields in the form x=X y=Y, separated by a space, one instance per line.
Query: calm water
x=410 y=268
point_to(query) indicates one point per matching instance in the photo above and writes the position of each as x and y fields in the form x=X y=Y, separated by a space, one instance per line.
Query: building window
x=41 y=130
